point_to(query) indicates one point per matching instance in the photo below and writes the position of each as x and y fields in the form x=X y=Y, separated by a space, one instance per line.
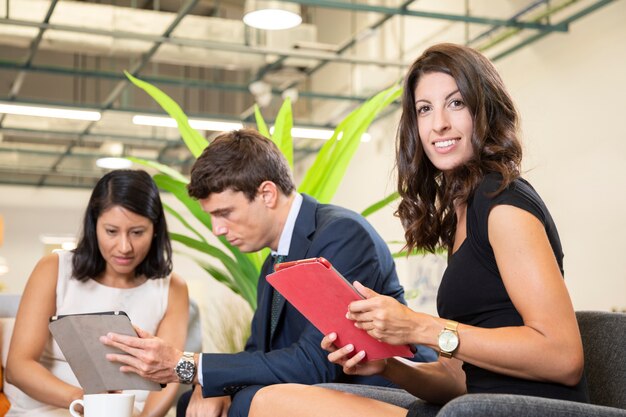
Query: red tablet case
x=322 y=295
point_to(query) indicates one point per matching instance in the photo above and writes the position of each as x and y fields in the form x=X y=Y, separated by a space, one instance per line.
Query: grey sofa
x=604 y=341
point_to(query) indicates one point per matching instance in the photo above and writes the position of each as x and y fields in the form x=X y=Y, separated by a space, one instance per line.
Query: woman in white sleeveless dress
x=122 y=262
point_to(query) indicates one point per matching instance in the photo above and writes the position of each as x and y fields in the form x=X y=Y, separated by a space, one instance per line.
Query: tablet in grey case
x=78 y=336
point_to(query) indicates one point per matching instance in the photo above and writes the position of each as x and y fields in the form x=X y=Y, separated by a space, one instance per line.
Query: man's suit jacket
x=293 y=354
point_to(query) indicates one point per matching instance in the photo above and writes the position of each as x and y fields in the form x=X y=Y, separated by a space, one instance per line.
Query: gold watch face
x=448 y=341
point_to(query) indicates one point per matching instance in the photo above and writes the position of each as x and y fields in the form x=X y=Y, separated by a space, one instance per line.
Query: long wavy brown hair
x=429 y=197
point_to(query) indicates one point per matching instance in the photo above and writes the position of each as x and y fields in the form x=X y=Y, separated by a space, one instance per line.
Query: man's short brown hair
x=239 y=160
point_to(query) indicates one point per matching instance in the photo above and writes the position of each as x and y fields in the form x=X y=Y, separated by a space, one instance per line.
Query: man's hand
x=207 y=407
x=148 y=356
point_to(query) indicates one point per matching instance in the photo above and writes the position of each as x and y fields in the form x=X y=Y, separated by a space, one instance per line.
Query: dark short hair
x=133 y=190
x=239 y=160
x=426 y=209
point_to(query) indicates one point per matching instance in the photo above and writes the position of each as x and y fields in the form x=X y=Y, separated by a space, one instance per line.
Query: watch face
x=185 y=371
x=448 y=341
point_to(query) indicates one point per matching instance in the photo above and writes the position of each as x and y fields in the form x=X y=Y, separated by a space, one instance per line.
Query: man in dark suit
x=245 y=184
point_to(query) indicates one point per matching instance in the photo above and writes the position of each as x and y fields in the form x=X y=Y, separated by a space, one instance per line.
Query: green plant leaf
x=246 y=287
x=260 y=122
x=217 y=273
x=184 y=222
x=282 y=131
x=323 y=178
x=346 y=134
x=257 y=258
x=179 y=189
x=160 y=167
x=380 y=204
x=193 y=139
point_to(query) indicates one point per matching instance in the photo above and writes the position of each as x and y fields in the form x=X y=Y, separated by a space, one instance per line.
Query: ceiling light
x=4 y=268
x=222 y=126
x=271 y=14
x=56 y=239
x=112 y=148
x=259 y=87
x=200 y=124
x=57 y=112
x=262 y=92
x=291 y=93
x=66 y=242
x=113 y=162
x=68 y=245
x=323 y=134
x=215 y=125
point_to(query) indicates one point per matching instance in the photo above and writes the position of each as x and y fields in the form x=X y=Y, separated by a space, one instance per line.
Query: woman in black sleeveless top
x=506 y=322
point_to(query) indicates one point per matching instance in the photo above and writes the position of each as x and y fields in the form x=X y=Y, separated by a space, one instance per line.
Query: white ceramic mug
x=105 y=405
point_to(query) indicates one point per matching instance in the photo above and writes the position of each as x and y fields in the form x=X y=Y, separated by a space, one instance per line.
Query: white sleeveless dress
x=145 y=305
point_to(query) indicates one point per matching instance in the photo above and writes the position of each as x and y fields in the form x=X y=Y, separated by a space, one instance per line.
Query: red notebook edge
x=322 y=295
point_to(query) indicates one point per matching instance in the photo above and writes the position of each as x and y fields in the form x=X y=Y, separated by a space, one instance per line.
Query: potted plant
x=239 y=271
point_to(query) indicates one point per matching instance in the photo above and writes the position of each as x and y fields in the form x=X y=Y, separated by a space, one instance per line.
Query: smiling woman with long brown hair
x=506 y=322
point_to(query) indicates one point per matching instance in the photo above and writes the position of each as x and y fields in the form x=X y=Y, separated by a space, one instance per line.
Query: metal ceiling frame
x=514 y=24
x=17 y=85
x=180 y=82
x=117 y=90
x=361 y=7
x=593 y=7
x=205 y=44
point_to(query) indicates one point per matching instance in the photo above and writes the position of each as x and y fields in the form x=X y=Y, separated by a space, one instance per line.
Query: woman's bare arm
x=172 y=329
x=30 y=336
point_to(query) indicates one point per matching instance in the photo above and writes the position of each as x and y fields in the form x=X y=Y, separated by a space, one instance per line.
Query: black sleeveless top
x=472 y=291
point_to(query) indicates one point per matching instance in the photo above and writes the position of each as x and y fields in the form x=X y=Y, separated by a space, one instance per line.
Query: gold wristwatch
x=449 y=339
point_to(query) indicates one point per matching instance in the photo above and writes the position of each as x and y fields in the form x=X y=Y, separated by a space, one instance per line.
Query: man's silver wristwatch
x=186 y=368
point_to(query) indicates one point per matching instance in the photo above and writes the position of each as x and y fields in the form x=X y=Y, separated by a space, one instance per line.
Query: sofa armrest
x=506 y=405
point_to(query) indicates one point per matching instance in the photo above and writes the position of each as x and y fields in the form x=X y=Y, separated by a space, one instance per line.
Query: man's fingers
x=128 y=362
x=131 y=341
x=142 y=333
x=132 y=351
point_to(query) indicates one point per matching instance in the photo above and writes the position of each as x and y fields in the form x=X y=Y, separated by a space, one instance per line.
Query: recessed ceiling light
x=271 y=14
x=114 y=163
x=323 y=134
x=212 y=125
x=4 y=268
x=56 y=112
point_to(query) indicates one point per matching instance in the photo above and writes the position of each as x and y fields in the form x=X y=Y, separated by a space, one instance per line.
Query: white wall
x=28 y=213
x=569 y=89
